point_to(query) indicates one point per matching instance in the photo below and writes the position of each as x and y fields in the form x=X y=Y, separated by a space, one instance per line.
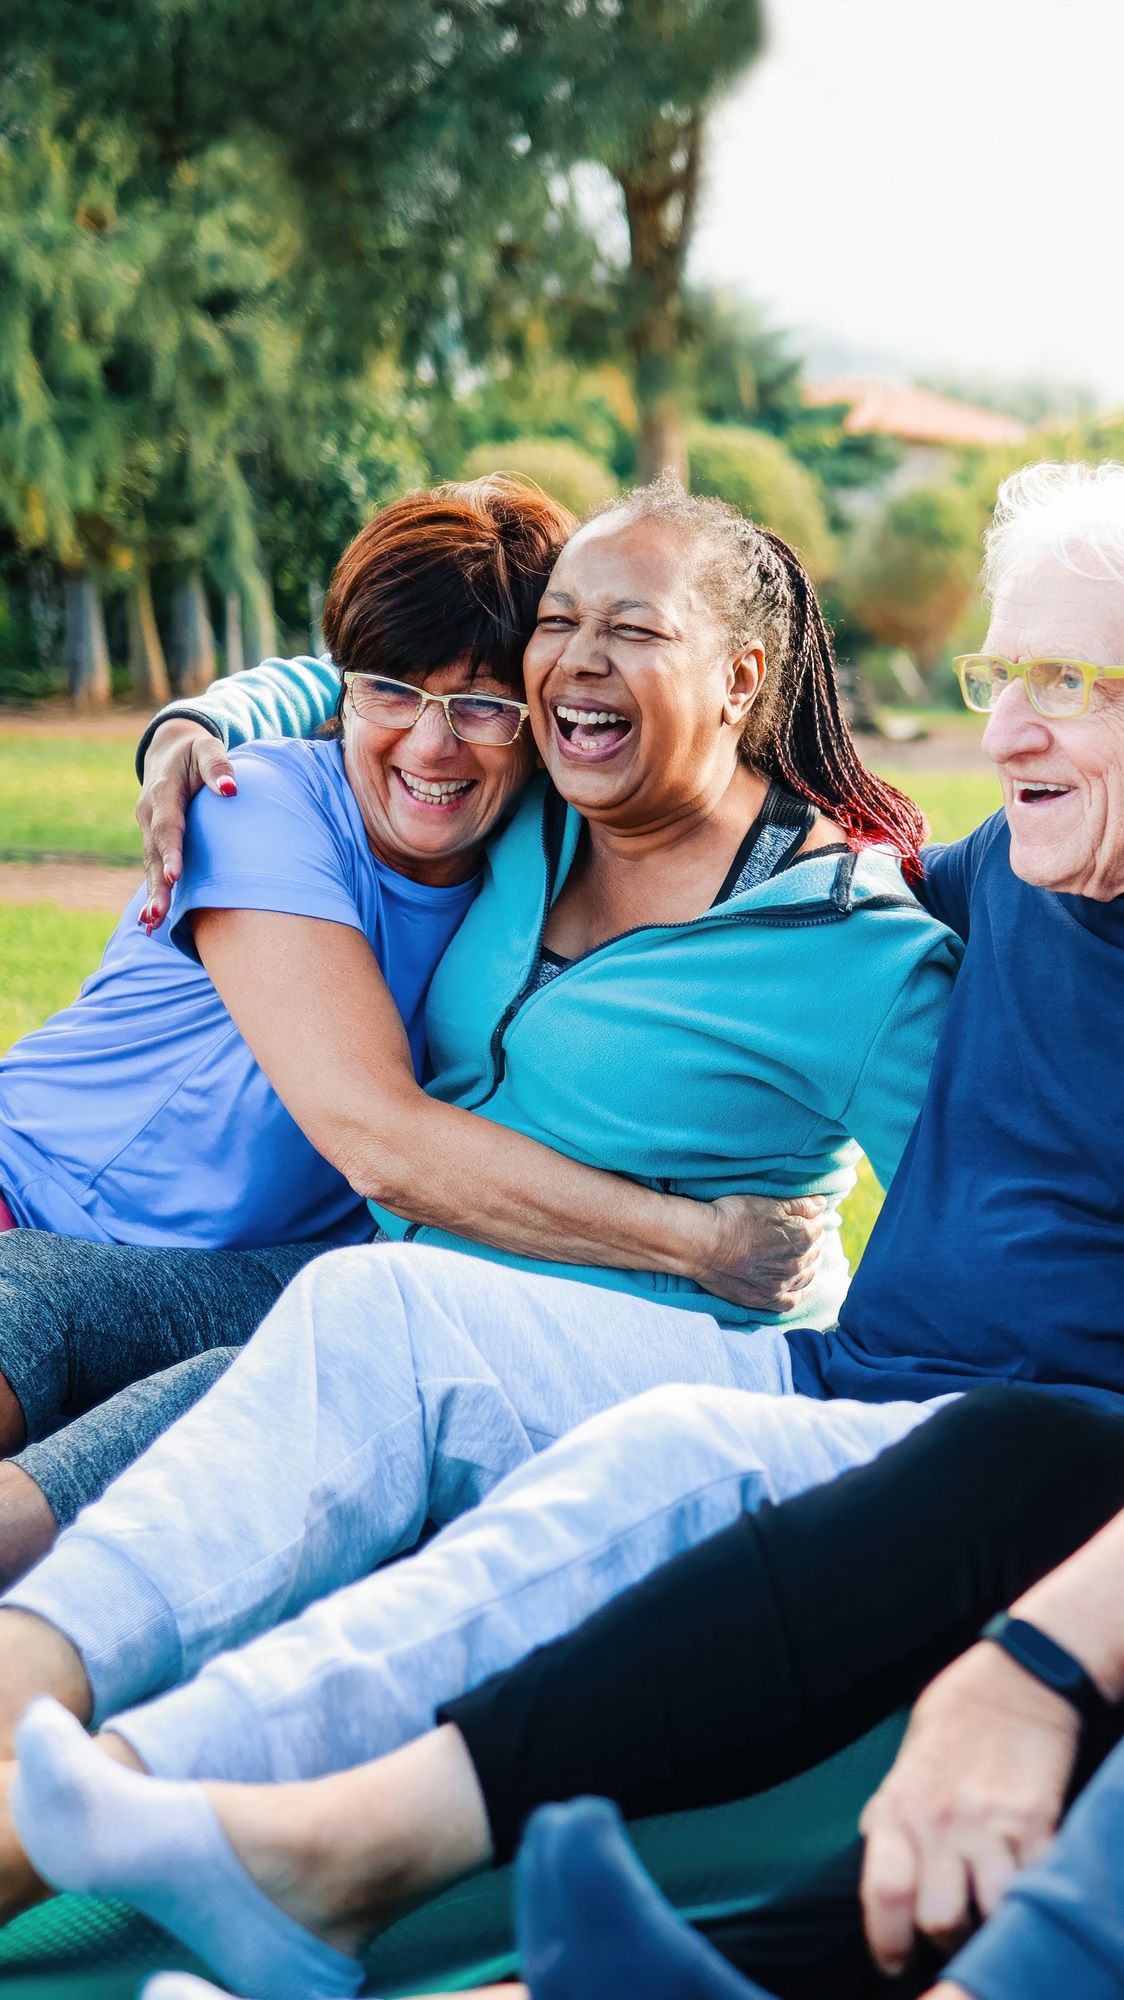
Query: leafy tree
x=755 y=473
x=910 y=573
x=630 y=85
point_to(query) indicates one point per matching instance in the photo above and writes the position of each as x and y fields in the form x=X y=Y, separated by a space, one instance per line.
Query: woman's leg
x=73 y=1467
x=45 y=1486
x=732 y=1667
x=389 y=1385
x=366 y=1668
x=78 y=1320
x=766 y=1649
x=834 y=1615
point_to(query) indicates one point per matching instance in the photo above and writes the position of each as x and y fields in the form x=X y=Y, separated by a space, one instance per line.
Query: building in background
x=929 y=429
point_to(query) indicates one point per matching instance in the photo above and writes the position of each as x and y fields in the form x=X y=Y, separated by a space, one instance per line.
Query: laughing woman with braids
x=693 y=965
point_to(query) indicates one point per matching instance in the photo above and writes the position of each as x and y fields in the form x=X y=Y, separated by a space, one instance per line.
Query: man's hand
x=761 y=1252
x=181 y=758
x=975 y=1794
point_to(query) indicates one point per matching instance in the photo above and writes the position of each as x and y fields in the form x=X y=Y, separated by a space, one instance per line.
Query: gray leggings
x=106 y=1345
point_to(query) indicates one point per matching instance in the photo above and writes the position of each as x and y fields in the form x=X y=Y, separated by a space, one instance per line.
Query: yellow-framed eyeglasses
x=1054 y=687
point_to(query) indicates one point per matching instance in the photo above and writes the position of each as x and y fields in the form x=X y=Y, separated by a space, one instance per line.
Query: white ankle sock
x=90 y=1825
x=180 y=1986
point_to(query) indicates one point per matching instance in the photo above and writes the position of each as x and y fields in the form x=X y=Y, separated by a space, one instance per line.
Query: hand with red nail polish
x=181 y=758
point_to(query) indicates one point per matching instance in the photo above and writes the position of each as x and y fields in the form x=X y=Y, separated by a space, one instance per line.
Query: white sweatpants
x=389 y=1385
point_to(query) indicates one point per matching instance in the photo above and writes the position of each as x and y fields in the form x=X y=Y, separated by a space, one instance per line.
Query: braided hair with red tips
x=810 y=747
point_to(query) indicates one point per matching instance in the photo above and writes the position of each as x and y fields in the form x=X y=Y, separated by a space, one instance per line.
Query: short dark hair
x=453 y=571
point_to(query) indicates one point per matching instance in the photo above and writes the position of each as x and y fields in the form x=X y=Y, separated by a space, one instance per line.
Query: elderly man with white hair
x=996 y=1260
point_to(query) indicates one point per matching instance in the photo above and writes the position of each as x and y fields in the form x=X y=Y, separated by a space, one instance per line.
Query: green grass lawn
x=76 y=795
x=67 y=795
x=953 y=802
x=45 y=954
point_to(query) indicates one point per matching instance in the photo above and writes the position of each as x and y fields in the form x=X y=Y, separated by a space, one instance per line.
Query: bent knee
x=676 y=1411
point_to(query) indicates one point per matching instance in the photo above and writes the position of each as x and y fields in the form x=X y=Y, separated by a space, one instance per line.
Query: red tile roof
x=917 y=416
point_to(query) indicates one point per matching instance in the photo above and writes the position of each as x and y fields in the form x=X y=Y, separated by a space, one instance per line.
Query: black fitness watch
x=1049 y=1663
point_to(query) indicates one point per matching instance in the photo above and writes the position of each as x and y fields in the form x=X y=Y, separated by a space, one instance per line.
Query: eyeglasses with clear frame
x=475 y=718
x=1057 y=688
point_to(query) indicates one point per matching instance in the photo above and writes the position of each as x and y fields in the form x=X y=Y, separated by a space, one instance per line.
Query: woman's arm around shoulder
x=184 y=749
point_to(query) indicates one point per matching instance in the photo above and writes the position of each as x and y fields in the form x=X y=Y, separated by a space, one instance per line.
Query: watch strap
x=1048 y=1662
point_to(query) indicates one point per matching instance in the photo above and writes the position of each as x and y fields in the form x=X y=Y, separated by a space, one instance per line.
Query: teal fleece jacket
x=747 y=1051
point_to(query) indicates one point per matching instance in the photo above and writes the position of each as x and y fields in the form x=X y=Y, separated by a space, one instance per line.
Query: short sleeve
x=950 y=873
x=282 y=843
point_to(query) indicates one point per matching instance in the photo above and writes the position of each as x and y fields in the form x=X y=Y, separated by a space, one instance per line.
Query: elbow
x=386 y=1168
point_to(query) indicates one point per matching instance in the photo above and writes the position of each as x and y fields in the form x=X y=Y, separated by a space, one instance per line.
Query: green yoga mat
x=713 y=1863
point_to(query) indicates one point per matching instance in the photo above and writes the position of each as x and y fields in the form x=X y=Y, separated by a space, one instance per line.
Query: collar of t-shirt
x=1106 y=920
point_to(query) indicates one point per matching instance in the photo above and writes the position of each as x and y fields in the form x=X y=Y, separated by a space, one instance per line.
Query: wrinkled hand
x=181 y=758
x=763 y=1252
x=974 y=1796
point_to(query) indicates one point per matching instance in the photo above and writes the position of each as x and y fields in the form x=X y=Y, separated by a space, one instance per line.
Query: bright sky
x=936 y=181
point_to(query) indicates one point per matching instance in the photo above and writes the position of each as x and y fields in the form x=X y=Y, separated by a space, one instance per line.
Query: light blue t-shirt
x=139 y=1115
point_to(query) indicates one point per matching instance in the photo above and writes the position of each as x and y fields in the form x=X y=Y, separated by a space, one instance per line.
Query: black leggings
x=771 y=1646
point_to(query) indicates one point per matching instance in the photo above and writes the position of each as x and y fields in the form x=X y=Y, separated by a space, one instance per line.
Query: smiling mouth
x=1038 y=795
x=438 y=793
x=591 y=733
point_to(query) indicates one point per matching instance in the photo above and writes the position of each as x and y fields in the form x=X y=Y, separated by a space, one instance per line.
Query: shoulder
x=897 y=934
x=288 y=790
x=953 y=875
x=291 y=761
x=987 y=845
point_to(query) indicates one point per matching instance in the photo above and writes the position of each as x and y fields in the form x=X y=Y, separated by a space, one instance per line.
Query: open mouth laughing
x=438 y=794
x=1040 y=795
x=589 y=735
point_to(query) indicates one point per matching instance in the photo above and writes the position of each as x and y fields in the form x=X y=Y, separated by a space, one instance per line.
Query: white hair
x=1074 y=513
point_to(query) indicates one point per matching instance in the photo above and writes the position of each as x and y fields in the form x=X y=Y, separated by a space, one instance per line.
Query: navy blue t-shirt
x=999 y=1254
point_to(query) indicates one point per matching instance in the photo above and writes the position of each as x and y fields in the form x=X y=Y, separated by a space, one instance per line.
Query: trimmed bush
x=909 y=575
x=562 y=469
x=755 y=473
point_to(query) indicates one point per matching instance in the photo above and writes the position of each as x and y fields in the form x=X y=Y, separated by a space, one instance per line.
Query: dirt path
x=946 y=746
x=59 y=719
x=71 y=885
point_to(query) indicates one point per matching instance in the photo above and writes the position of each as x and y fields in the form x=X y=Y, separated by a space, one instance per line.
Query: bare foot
x=36 y=1659
x=341 y=1854
x=27 y=1526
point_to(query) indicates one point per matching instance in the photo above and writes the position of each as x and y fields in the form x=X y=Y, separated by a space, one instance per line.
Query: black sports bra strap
x=779 y=831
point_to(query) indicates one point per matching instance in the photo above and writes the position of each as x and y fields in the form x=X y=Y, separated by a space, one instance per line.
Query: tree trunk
x=660 y=188
x=261 y=625
x=193 y=639
x=147 y=667
x=235 y=656
x=87 y=655
x=316 y=615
